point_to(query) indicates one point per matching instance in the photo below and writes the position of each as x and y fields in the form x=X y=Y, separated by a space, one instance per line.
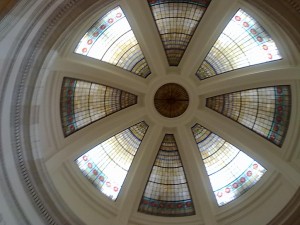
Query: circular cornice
x=31 y=65
x=52 y=26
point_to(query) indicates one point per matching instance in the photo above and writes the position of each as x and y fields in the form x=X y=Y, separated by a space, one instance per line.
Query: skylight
x=244 y=42
x=111 y=40
x=167 y=192
x=176 y=22
x=266 y=111
x=106 y=165
x=83 y=102
x=231 y=172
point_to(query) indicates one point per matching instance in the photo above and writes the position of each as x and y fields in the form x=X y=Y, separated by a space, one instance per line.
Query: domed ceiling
x=164 y=110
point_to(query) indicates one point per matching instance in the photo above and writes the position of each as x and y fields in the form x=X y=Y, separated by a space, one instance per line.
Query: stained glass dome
x=264 y=110
x=167 y=113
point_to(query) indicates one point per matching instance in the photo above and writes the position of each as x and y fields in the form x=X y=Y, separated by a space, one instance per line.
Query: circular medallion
x=171 y=100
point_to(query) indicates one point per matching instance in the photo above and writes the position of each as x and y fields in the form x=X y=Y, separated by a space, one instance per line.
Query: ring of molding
x=26 y=78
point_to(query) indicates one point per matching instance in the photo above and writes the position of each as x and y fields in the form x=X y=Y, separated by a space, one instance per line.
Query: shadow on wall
x=5 y=7
x=2 y=222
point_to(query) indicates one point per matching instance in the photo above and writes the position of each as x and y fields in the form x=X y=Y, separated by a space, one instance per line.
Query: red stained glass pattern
x=244 y=42
x=167 y=192
x=107 y=164
x=112 y=40
x=231 y=172
x=83 y=102
x=265 y=111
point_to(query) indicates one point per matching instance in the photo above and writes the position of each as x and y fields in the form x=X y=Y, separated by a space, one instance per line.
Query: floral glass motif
x=111 y=40
x=83 y=102
x=107 y=164
x=265 y=111
x=176 y=21
x=167 y=192
x=244 y=42
x=231 y=172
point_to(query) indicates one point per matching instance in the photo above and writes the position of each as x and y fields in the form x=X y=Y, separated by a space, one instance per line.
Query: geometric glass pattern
x=231 y=172
x=82 y=103
x=167 y=192
x=106 y=165
x=111 y=40
x=244 y=42
x=265 y=111
x=177 y=21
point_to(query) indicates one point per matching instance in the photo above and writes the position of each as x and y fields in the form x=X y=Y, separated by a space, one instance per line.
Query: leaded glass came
x=112 y=40
x=167 y=192
x=106 y=165
x=265 y=111
x=83 y=102
x=177 y=21
x=244 y=42
x=231 y=172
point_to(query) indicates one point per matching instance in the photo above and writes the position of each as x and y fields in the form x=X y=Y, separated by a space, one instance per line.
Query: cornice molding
x=30 y=68
x=290 y=215
x=295 y=4
x=13 y=15
x=28 y=168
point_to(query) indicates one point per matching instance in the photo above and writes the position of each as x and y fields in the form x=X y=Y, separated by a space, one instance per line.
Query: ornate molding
x=294 y=4
x=290 y=215
x=56 y=23
x=12 y=17
x=40 y=46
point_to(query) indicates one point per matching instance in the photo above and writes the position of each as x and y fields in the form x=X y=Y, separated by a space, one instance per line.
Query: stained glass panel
x=107 y=164
x=231 y=172
x=176 y=21
x=111 y=40
x=167 y=192
x=244 y=42
x=83 y=102
x=265 y=111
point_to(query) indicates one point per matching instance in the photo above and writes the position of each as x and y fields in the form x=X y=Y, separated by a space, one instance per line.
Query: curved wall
x=31 y=193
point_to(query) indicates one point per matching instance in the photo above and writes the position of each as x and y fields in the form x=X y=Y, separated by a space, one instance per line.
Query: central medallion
x=171 y=100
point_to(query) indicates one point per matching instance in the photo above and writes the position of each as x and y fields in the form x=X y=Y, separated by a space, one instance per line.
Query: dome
x=150 y=112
